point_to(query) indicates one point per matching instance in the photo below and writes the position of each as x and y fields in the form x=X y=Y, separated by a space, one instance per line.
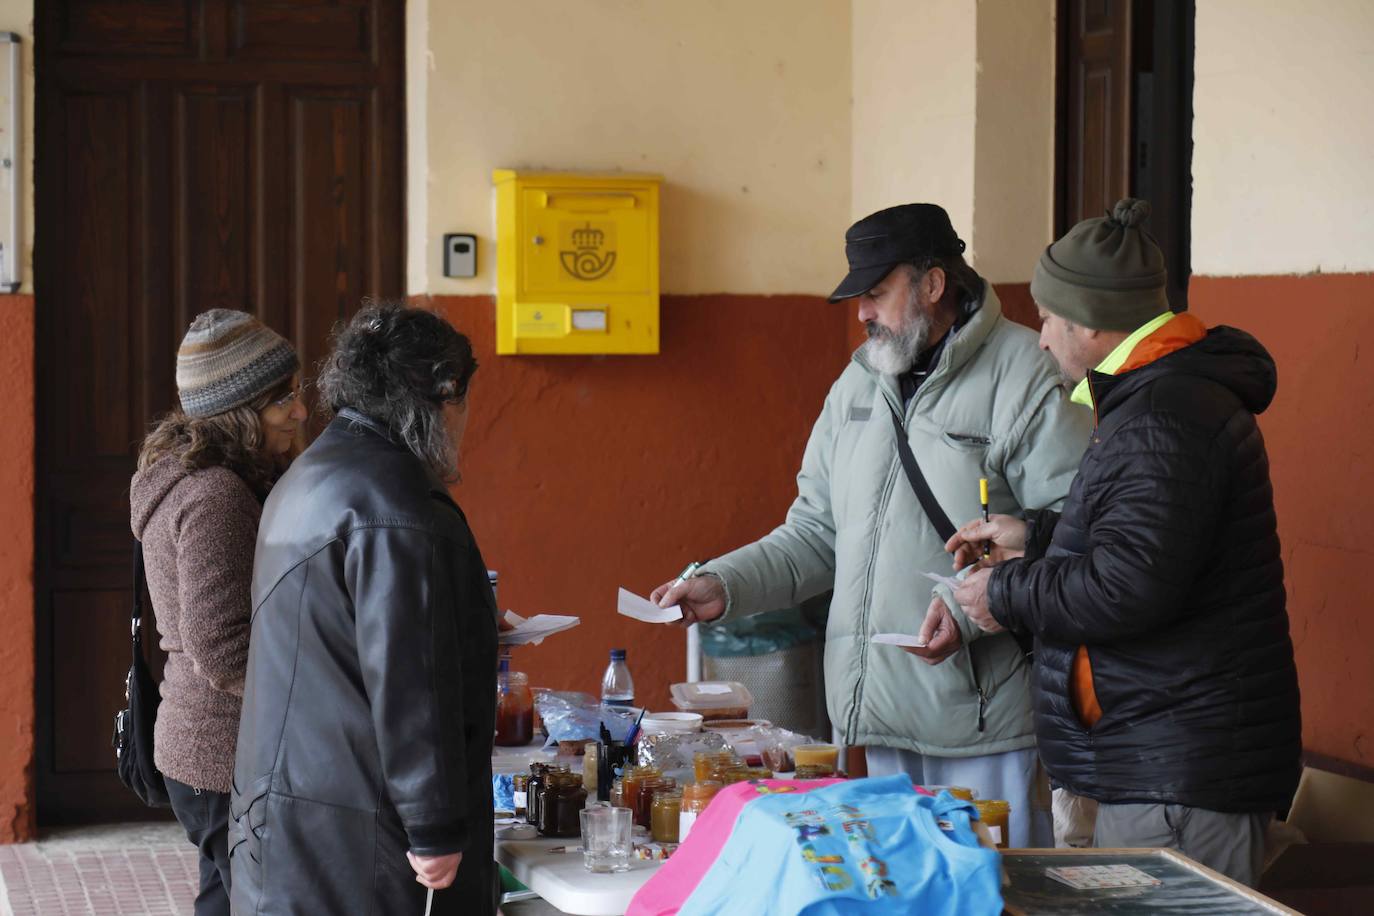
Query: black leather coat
x=1165 y=564
x=370 y=698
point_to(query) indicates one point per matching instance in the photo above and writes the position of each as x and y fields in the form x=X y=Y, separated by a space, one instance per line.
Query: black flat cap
x=897 y=235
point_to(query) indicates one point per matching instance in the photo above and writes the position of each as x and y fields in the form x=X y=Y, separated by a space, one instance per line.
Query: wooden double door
x=191 y=154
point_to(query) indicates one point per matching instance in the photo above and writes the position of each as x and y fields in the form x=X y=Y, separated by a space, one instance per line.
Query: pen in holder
x=611 y=759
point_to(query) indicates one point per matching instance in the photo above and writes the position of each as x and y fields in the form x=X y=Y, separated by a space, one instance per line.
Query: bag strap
x=136 y=615
x=943 y=526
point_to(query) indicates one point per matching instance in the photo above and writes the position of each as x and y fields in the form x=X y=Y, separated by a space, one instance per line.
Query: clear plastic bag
x=570 y=716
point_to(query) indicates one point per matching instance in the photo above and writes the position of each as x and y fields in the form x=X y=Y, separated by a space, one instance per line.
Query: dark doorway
x=190 y=154
x=1125 y=118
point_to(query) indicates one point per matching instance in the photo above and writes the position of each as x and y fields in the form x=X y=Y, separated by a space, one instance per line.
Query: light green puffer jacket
x=992 y=407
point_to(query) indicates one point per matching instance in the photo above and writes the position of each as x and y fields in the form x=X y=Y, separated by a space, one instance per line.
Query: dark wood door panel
x=274 y=30
x=214 y=197
x=1097 y=108
x=131 y=28
x=191 y=155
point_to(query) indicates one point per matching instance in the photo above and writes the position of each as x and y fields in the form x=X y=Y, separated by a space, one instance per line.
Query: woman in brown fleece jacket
x=195 y=502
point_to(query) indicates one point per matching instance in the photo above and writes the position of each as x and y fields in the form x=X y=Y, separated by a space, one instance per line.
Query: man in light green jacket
x=975 y=397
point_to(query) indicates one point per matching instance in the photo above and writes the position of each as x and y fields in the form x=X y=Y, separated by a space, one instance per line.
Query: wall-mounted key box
x=576 y=262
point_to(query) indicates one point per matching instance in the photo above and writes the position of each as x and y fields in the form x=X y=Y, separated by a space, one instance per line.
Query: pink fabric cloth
x=664 y=893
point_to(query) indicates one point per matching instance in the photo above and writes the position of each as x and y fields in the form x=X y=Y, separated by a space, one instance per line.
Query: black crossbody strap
x=943 y=526
x=136 y=616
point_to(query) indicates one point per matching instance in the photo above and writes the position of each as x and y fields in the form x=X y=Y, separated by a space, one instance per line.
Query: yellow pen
x=983 y=498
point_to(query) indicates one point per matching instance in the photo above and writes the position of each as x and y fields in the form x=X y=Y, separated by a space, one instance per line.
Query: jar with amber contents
x=631 y=781
x=814 y=771
x=514 y=708
x=560 y=808
x=995 y=814
x=644 y=804
x=707 y=766
x=695 y=797
x=534 y=789
x=745 y=774
x=664 y=818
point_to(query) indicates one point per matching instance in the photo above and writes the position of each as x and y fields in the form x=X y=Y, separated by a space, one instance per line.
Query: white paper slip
x=898 y=639
x=631 y=605
x=952 y=582
x=1092 y=877
x=536 y=629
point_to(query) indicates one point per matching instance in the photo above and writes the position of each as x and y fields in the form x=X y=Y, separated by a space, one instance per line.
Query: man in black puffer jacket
x=1165 y=683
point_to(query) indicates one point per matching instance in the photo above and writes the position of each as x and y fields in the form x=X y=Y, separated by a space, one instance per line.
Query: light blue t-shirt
x=863 y=846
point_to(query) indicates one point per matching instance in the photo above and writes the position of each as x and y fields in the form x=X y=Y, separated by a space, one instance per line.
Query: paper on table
x=898 y=639
x=631 y=605
x=534 y=630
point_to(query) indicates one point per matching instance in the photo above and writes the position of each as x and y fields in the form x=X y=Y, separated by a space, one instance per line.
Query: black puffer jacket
x=1165 y=564
x=370 y=700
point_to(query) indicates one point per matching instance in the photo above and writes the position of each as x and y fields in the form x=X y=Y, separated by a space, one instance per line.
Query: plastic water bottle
x=617 y=687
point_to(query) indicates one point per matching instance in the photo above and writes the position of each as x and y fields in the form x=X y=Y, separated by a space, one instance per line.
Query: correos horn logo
x=587 y=260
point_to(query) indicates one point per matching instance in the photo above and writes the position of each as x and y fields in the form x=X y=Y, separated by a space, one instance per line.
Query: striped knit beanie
x=227 y=359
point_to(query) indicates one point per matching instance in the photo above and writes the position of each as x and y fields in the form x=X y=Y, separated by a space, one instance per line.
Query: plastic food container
x=672 y=723
x=713 y=700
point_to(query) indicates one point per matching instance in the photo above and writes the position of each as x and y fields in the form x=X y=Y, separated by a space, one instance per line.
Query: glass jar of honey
x=745 y=774
x=631 y=781
x=514 y=708
x=826 y=756
x=995 y=815
x=534 y=789
x=695 y=797
x=707 y=766
x=560 y=808
x=664 y=818
x=520 y=784
x=644 y=804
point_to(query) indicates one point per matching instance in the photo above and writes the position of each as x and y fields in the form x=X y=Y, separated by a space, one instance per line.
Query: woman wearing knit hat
x=203 y=473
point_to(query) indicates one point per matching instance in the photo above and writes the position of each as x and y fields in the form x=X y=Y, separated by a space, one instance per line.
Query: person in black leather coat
x=363 y=769
x=1165 y=683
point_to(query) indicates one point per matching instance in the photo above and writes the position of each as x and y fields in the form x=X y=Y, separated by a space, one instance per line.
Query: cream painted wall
x=743 y=107
x=954 y=104
x=1283 y=180
x=1013 y=167
x=17 y=16
x=914 y=76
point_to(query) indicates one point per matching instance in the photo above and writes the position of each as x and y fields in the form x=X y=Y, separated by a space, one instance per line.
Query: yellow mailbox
x=576 y=262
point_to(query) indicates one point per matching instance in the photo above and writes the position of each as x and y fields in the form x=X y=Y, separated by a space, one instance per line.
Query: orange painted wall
x=16 y=570
x=1320 y=436
x=583 y=474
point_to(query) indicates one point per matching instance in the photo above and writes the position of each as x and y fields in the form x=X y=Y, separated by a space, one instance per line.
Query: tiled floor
x=132 y=869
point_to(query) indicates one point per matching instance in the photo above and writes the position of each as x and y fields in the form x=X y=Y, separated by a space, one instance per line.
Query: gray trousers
x=1232 y=844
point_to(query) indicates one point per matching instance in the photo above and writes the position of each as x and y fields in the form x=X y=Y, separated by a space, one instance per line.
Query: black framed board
x=1185 y=889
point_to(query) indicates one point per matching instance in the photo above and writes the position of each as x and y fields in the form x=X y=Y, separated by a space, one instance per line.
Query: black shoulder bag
x=943 y=526
x=133 y=732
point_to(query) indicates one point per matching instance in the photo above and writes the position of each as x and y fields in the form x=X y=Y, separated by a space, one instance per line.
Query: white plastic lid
x=711 y=695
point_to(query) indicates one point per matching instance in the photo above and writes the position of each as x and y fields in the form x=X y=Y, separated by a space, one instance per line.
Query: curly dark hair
x=233 y=439
x=399 y=366
x=959 y=276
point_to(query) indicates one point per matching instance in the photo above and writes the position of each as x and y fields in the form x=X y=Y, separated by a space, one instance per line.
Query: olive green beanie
x=1105 y=273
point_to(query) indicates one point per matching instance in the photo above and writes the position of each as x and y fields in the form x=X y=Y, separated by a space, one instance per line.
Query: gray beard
x=893 y=352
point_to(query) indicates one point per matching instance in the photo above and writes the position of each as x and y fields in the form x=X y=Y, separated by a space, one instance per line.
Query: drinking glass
x=606 y=840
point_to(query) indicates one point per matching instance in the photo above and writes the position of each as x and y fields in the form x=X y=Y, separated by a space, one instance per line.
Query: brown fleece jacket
x=198 y=530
